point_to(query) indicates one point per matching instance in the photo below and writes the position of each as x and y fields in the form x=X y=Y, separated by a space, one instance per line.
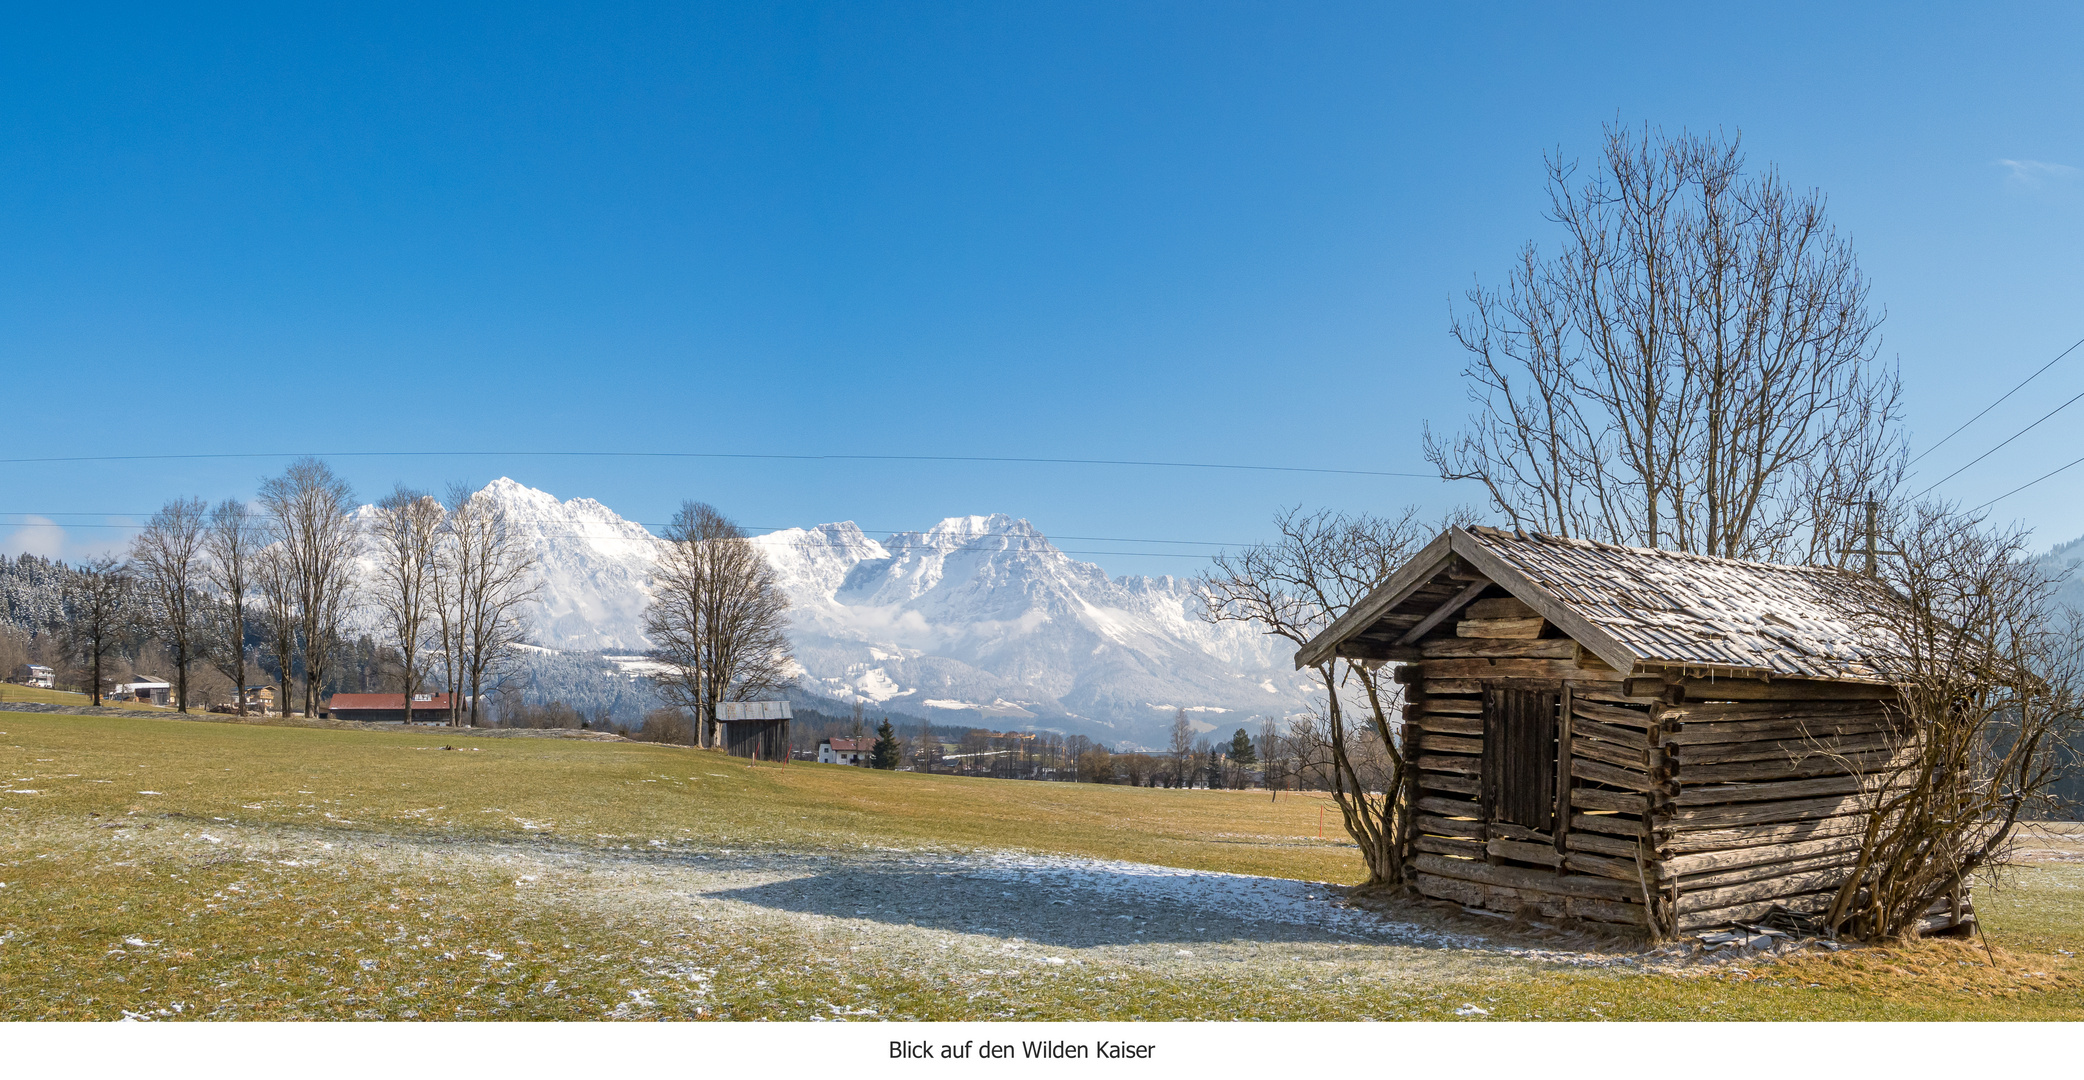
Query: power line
x=739 y=457
x=1994 y=404
x=2000 y=446
x=758 y=530
x=2024 y=486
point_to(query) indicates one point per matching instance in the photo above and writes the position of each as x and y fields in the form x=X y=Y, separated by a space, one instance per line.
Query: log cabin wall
x=1584 y=864
x=1765 y=808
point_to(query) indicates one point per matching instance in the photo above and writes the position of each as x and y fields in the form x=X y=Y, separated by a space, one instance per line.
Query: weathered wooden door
x=1519 y=756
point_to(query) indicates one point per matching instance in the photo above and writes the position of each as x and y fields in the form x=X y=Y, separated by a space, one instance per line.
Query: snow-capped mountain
x=978 y=619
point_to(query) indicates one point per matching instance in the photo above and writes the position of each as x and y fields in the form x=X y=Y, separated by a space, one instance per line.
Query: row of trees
x=447 y=582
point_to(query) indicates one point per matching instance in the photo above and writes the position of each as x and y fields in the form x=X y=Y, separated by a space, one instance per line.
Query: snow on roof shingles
x=1672 y=608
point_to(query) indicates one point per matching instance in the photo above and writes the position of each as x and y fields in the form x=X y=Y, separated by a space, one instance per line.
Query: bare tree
x=275 y=580
x=311 y=509
x=1989 y=670
x=1323 y=564
x=718 y=619
x=231 y=543
x=484 y=580
x=1181 y=746
x=170 y=572
x=406 y=535
x=99 y=594
x=1694 y=369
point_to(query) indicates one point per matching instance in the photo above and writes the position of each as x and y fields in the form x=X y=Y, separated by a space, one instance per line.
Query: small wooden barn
x=1630 y=736
x=755 y=729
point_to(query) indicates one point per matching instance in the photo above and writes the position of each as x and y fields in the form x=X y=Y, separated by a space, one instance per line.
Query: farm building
x=388 y=708
x=844 y=750
x=1627 y=735
x=755 y=729
x=147 y=690
x=41 y=676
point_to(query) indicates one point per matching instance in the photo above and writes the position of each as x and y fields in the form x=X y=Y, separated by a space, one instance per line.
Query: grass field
x=167 y=868
x=13 y=692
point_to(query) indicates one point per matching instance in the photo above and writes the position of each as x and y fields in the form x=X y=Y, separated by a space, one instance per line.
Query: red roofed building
x=389 y=708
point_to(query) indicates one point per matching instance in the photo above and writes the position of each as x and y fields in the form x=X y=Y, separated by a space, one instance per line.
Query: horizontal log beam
x=1612 y=776
x=1610 y=824
x=1447 y=807
x=1767 y=750
x=1612 y=714
x=1738 y=875
x=1511 y=901
x=1485 y=668
x=1501 y=628
x=1432 y=723
x=1433 y=781
x=1450 y=763
x=1719 y=794
x=1520 y=851
x=1610 y=754
x=1431 y=743
x=1753 y=836
x=1720 y=817
x=1503 y=648
x=1447 y=826
x=1513 y=877
x=1596 y=844
x=1769 y=889
x=1448 y=845
x=1780 y=690
x=1814 y=765
x=1595 y=799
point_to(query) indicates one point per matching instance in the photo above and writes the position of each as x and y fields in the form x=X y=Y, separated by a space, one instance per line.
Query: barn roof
x=431 y=702
x=1635 y=608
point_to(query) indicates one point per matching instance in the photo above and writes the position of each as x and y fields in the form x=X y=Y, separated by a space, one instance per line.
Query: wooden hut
x=1626 y=735
x=755 y=729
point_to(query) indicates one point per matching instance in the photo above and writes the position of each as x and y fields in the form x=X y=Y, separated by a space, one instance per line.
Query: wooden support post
x=1563 y=778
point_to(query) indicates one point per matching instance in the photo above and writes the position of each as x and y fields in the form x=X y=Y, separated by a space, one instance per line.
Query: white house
x=845 y=751
x=42 y=676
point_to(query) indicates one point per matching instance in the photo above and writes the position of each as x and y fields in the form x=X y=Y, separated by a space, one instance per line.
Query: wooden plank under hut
x=1643 y=738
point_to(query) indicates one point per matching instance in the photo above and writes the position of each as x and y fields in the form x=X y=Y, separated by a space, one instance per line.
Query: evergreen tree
x=1241 y=751
x=885 y=753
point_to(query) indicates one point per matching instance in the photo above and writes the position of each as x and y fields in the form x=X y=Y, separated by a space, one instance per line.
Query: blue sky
x=1196 y=232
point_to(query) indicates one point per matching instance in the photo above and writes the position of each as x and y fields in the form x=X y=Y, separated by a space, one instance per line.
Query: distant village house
x=42 y=676
x=843 y=750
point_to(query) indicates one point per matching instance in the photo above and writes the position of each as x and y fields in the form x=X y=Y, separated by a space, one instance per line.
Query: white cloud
x=2037 y=174
x=36 y=536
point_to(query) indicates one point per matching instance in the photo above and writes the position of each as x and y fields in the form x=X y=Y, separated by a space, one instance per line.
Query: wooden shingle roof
x=1636 y=608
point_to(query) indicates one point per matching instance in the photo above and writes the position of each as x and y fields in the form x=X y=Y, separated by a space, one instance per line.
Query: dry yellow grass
x=247 y=870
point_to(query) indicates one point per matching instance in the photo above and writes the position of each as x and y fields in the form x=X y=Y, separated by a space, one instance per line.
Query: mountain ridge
x=978 y=618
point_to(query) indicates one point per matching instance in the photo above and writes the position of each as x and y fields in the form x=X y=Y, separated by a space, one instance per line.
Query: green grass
x=413 y=914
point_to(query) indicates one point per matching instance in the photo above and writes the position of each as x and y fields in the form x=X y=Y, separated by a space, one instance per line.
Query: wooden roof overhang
x=1438 y=582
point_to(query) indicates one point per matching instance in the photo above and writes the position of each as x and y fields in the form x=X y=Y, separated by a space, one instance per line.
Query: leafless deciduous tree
x=275 y=581
x=319 y=541
x=718 y=620
x=99 y=595
x=1324 y=563
x=484 y=579
x=1182 y=747
x=231 y=543
x=169 y=566
x=1694 y=369
x=1990 y=670
x=406 y=536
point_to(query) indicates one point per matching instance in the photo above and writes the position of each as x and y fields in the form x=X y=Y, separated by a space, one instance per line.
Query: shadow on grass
x=1060 y=903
